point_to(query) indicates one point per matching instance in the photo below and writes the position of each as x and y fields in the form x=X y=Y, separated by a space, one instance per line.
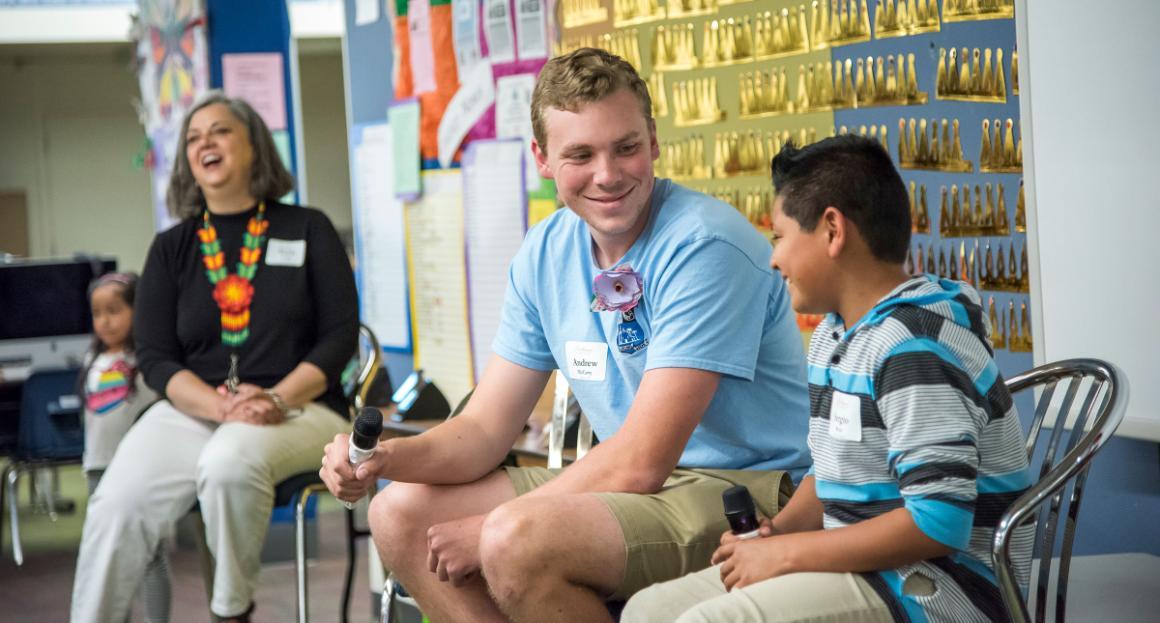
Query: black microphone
x=368 y=426
x=740 y=512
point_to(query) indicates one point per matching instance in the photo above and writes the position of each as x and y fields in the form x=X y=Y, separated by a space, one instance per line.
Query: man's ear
x=837 y=230
x=541 y=160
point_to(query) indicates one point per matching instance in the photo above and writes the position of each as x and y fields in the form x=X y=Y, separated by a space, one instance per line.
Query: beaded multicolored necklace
x=233 y=293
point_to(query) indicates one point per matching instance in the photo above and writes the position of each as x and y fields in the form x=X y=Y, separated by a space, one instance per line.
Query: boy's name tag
x=285 y=252
x=587 y=361
x=846 y=417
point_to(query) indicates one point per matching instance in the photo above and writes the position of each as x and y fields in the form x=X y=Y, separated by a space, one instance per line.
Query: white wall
x=324 y=127
x=69 y=136
x=1089 y=101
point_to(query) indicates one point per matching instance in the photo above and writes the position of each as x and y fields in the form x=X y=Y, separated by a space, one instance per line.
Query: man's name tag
x=285 y=252
x=846 y=417
x=587 y=361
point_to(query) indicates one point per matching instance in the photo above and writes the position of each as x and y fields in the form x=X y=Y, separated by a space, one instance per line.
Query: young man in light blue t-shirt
x=658 y=305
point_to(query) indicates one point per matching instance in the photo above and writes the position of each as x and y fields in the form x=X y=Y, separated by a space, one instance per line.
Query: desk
x=526 y=450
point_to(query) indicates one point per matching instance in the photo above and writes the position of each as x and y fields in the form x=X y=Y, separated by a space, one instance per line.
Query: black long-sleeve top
x=298 y=313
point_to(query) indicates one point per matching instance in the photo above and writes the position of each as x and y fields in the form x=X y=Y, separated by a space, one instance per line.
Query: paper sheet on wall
x=439 y=283
x=366 y=12
x=513 y=118
x=473 y=98
x=379 y=229
x=465 y=33
x=494 y=223
x=531 y=35
x=257 y=78
x=403 y=117
x=497 y=23
x=422 y=54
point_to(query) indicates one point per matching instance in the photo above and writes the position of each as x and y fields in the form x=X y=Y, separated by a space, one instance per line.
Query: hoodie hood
x=954 y=300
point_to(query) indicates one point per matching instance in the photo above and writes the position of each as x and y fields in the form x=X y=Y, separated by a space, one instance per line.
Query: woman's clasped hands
x=250 y=404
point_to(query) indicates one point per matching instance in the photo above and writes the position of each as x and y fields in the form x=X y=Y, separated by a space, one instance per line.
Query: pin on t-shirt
x=630 y=337
x=620 y=290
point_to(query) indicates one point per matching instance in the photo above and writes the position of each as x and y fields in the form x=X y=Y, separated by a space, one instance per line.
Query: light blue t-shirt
x=710 y=302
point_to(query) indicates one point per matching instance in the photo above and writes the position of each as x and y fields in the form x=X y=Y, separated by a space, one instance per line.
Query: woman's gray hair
x=269 y=178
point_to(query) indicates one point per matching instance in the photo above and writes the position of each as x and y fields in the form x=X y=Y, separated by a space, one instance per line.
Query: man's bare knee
x=398 y=522
x=511 y=553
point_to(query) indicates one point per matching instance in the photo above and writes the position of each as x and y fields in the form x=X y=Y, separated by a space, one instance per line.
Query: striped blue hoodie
x=924 y=422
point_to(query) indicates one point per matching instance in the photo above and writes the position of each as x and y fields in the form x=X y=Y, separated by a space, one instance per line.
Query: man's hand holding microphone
x=352 y=463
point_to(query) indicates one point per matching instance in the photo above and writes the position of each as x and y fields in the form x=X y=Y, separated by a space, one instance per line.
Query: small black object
x=739 y=510
x=417 y=398
x=368 y=426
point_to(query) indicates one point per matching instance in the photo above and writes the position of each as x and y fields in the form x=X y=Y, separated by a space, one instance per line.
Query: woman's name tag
x=285 y=252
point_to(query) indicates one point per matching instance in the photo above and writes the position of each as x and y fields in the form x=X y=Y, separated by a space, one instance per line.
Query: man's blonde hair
x=580 y=77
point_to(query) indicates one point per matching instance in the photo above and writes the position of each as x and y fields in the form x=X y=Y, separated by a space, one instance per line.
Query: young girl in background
x=114 y=396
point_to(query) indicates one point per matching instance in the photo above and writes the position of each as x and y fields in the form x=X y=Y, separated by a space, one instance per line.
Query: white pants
x=166 y=462
x=798 y=597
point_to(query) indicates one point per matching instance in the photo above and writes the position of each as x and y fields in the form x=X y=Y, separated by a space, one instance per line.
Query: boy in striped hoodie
x=916 y=442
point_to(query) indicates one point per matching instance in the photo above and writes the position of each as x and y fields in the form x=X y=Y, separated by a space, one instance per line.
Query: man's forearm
x=457 y=451
x=606 y=468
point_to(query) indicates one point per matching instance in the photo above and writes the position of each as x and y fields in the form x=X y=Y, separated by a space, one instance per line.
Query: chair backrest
x=565 y=410
x=370 y=360
x=1089 y=396
x=51 y=425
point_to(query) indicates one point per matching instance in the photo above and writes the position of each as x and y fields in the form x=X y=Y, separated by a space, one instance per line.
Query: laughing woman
x=246 y=314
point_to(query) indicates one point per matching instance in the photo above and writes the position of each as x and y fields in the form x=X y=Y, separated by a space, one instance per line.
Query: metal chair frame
x=1100 y=410
x=9 y=487
x=358 y=399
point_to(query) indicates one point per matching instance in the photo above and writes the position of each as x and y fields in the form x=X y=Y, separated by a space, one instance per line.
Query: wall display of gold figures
x=972 y=10
x=959 y=217
x=964 y=78
x=838 y=22
x=690 y=8
x=695 y=102
x=749 y=153
x=777 y=35
x=577 y=13
x=1000 y=151
x=727 y=42
x=1007 y=334
x=656 y=92
x=919 y=212
x=672 y=48
x=733 y=81
x=899 y=18
x=683 y=159
x=625 y=44
x=941 y=150
x=632 y=12
x=1015 y=72
x=983 y=267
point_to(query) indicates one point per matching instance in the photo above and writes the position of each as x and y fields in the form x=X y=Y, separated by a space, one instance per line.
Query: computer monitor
x=45 y=320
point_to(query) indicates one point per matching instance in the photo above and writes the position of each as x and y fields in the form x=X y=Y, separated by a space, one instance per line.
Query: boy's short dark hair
x=855 y=175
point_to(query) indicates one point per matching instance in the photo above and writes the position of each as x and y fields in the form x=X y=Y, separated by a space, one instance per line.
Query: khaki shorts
x=674 y=531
